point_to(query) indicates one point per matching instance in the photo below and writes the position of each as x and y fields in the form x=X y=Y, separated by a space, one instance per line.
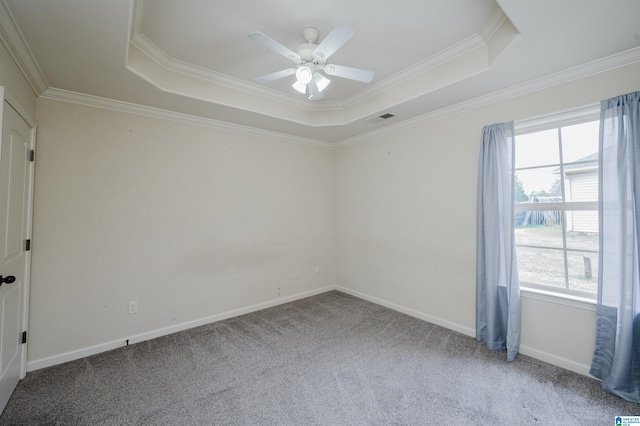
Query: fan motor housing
x=305 y=52
x=310 y=35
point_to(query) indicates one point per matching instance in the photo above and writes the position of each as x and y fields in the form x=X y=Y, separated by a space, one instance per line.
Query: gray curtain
x=616 y=359
x=497 y=285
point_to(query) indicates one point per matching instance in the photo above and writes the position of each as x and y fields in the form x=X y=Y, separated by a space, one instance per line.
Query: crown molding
x=494 y=24
x=461 y=48
x=467 y=48
x=136 y=18
x=618 y=60
x=147 y=47
x=150 y=49
x=130 y=108
x=13 y=40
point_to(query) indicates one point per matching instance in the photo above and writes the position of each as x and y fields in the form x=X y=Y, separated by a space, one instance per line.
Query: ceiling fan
x=311 y=58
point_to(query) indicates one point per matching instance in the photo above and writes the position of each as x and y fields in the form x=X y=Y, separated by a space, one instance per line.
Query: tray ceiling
x=193 y=57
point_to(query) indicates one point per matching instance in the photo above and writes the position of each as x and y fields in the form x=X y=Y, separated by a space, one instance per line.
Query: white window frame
x=564 y=118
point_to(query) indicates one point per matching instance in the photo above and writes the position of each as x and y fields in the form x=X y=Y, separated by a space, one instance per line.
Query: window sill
x=560 y=299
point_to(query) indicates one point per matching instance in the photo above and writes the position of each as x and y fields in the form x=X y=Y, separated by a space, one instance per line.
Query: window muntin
x=556 y=209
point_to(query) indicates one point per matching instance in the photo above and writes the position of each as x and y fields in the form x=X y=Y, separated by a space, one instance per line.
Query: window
x=556 y=207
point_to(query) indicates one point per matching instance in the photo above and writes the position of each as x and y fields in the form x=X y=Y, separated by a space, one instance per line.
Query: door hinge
x=32 y=155
x=24 y=337
x=27 y=245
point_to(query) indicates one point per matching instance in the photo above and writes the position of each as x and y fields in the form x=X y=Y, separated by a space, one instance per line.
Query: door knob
x=7 y=280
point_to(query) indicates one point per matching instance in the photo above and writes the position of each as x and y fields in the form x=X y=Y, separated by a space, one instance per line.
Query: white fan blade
x=275 y=76
x=350 y=73
x=274 y=45
x=334 y=41
x=314 y=93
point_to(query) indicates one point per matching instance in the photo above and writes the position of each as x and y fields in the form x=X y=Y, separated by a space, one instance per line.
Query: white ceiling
x=194 y=57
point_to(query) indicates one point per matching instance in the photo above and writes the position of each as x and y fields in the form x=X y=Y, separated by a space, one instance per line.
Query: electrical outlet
x=133 y=307
x=317 y=270
x=279 y=292
x=296 y=274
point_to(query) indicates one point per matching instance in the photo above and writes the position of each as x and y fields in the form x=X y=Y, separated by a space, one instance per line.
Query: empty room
x=320 y=212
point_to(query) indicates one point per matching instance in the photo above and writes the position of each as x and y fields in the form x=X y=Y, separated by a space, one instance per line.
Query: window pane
x=582 y=230
x=540 y=235
x=540 y=266
x=537 y=149
x=558 y=247
x=580 y=142
x=583 y=271
x=539 y=185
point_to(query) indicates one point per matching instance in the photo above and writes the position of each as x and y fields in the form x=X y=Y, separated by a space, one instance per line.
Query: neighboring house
x=581 y=184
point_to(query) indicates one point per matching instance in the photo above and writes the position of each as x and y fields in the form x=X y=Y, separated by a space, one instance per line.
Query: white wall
x=406 y=219
x=191 y=222
x=16 y=86
x=195 y=223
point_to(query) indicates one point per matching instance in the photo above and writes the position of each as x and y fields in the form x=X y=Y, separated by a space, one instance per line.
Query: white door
x=15 y=212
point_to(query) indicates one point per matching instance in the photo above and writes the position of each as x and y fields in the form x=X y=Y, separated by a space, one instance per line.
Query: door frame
x=22 y=112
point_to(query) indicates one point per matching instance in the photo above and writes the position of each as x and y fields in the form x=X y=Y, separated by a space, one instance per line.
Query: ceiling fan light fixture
x=310 y=58
x=302 y=88
x=314 y=93
x=304 y=74
x=321 y=81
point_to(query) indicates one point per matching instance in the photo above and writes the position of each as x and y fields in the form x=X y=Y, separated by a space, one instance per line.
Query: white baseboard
x=556 y=360
x=524 y=350
x=103 y=347
x=412 y=312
